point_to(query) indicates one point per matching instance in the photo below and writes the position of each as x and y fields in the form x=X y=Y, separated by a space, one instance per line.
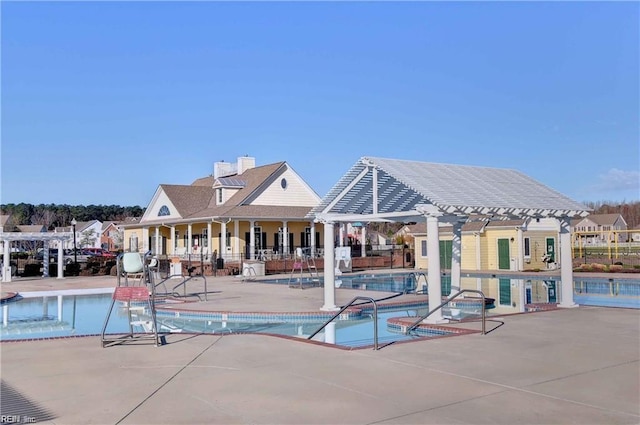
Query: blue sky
x=101 y=102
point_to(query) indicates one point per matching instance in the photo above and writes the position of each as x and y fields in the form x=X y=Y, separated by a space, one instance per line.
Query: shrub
x=596 y=267
x=616 y=268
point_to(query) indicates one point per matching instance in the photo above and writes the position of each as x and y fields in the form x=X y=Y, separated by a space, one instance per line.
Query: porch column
x=172 y=236
x=60 y=274
x=520 y=239
x=363 y=242
x=157 y=247
x=145 y=239
x=223 y=240
x=6 y=262
x=285 y=238
x=189 y=236
x=456 y=255
x=433 y=271
x=209 y=239
x=313 y=239
x=236 y=236
x=476 y=236
x=566 y=264
x=252 y=240
x=329 y=268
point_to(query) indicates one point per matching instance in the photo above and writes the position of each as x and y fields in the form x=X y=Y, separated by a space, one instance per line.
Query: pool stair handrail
x=447 y=301
x=349 y=304
x=416 y=276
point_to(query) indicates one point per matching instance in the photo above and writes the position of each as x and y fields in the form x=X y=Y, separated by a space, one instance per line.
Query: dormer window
x=164 y=210
x=219 y=196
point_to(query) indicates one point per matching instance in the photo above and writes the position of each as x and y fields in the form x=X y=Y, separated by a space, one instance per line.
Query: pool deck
x=578 y=365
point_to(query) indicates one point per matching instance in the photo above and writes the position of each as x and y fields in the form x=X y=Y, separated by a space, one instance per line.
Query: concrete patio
x=577 y=365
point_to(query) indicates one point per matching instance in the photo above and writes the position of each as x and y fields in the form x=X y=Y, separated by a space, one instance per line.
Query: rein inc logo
x=17 y=419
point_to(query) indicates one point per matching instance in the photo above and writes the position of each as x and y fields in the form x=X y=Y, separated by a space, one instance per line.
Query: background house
x=600 y=229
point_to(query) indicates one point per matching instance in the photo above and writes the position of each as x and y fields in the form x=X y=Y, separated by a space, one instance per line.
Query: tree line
x=53 y=215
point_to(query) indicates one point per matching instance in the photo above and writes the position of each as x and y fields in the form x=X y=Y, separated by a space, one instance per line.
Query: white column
x=363 y=241
x=145 y=239
x=520 y=262
x=157 y=248
x=285 y=238
x=173 y=240
x=433 y=271
x=223 y=240
x=209 y=239
x=478 y=255
x=252 y=240
x=189 y=238
x=60 y=274
x=456 y=255
x=236 y=236
x=329 y=268
x=45 y=259
x=566 y=264
x=6 y=262
x=313 y=239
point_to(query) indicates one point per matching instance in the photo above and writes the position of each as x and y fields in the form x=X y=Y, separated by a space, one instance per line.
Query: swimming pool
x=64 y=314
x=82 y=312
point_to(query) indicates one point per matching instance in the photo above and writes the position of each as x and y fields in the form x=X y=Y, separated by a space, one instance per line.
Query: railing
x=375 y=319
x=416 y=277
x=447 y=301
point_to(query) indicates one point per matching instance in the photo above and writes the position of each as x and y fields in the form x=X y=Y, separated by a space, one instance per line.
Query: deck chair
x=138 y=300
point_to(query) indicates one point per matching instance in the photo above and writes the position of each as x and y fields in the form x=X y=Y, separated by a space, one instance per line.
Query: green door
x=503 y=254
x=551 y=250
x=445 y=254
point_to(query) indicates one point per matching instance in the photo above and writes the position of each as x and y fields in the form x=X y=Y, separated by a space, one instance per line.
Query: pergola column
x=45 y=259
x=363 y=241
x=456 y=254
x=60 y=274
x=189 y=238
x=329 y=268
x=6 y=262
x=566 y=264
x=433 y=272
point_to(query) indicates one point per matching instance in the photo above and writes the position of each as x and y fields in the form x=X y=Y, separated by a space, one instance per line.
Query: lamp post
x=75 y=254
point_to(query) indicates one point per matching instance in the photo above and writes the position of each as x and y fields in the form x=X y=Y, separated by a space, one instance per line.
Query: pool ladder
x=447 y=301
x=375 y=319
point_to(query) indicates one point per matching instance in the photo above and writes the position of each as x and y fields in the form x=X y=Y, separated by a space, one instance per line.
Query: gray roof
x=453 y=189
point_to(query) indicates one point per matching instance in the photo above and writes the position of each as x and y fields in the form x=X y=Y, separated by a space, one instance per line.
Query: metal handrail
x=416 y=276
x=447 y=301
x=375 y=319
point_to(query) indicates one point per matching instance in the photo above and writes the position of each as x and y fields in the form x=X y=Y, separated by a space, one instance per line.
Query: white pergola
x=392 y=190
x=46 y=237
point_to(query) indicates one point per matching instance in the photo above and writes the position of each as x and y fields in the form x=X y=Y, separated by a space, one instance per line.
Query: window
x=283 y=183
x=423 y=246
x=164 y=210
x=220 y=196
x=177 y=238
x=527 y=247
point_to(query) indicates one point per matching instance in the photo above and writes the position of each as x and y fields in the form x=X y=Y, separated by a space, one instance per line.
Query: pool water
x=65 y=313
